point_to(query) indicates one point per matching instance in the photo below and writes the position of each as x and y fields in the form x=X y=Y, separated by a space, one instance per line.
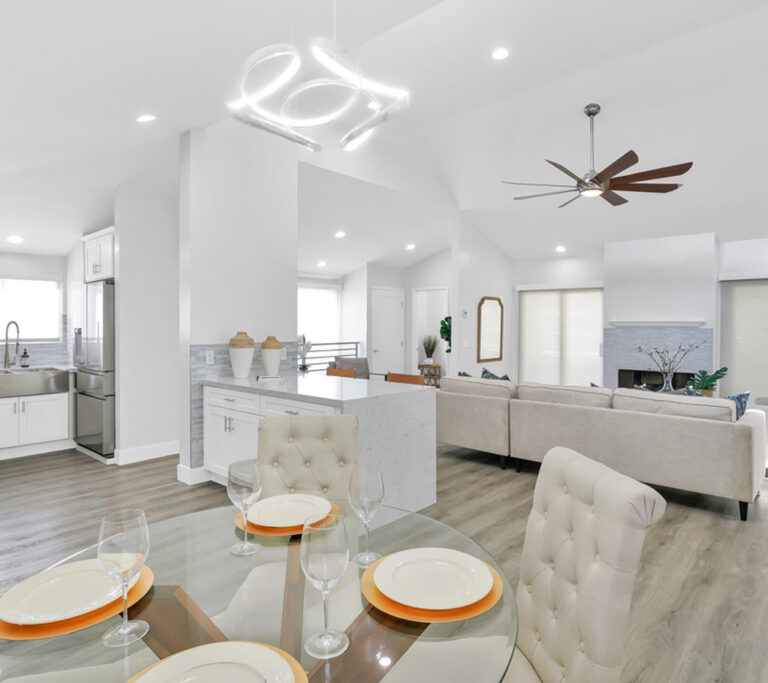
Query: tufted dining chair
x=307 y=454
x=580 y=557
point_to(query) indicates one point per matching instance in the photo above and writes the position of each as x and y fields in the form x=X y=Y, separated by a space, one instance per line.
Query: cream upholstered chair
x=307 y=454
x=580 y=557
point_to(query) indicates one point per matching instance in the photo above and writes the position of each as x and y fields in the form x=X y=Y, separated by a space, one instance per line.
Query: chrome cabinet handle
x=23 y=406
x=231 y=424
x=227 y=424
x=231 y=400
x=292 y=412
x=15 y=408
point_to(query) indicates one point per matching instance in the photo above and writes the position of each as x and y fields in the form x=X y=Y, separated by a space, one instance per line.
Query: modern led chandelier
x=285 y=88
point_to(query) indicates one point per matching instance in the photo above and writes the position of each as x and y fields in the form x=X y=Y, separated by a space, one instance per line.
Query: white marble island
x=397 y=425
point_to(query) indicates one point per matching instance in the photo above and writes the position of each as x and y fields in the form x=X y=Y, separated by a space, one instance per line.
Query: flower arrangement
x=667 y=361
x=303 y=346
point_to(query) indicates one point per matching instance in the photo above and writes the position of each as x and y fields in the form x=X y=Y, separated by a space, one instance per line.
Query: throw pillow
x=464 y=374
x=741 y=401
x=487 y=374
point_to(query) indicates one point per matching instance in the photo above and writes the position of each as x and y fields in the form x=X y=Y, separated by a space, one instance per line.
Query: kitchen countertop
x=315 y=388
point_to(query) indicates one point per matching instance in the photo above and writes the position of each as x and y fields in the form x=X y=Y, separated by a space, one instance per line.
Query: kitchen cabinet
x=99 y=257
x=34 y=419
x=9 y=422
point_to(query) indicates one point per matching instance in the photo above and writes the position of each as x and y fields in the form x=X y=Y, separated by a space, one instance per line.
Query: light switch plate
x=209 y=357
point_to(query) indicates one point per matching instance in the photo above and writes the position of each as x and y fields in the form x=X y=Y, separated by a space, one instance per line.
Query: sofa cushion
x=478 y=387
x=594 y=397
x=675 y=404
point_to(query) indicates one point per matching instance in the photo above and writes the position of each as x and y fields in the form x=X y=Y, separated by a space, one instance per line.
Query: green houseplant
x=704 y=383
x=445 y=331
x=429 y=344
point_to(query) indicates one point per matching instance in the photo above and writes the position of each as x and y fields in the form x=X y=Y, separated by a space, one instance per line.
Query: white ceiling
x=678 y=81
x=378 y=222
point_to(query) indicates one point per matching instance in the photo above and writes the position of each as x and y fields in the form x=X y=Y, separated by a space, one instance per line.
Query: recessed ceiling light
x=339 y=234
x=410 y=247
x=500 y=53
x=321 y=264
x=146 y=118
x=14 y=239
x=560 y=249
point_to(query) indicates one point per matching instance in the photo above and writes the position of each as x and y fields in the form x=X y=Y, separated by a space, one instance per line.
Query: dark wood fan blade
x=645 y=187
x=664 y=172
x=613 y=198
x=559 y=167
x=621 y=164
x=546 y=194
x=569 y=201
x=512 y=182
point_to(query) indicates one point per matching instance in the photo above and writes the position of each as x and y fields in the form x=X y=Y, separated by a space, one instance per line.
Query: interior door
x=387 y=330
x=430 y=306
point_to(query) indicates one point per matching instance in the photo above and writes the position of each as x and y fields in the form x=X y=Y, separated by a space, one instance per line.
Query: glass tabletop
x=248 y=598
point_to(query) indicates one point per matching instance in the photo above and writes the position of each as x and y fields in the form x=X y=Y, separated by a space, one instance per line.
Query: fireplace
x=650 y=379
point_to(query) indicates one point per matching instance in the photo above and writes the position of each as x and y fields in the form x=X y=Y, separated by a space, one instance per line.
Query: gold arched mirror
x=490 y=329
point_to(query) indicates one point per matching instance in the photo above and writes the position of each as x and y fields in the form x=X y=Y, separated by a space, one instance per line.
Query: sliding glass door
x=561 y=336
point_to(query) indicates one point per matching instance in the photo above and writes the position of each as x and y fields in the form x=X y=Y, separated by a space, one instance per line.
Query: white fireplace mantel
x=656 y=323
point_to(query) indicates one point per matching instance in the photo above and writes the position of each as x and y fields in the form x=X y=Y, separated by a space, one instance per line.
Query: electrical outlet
x=209 y=357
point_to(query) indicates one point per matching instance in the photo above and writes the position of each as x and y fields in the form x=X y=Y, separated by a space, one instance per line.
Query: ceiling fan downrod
x=592 y=110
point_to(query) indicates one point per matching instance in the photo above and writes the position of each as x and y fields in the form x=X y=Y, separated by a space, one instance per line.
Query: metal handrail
x=323 y=353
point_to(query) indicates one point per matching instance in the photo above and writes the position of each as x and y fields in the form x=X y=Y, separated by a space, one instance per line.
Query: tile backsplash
x=221 y=367
x=42 y=354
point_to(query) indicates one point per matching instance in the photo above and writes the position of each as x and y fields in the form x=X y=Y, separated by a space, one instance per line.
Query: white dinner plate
x=291 y=509
x=433 y=578
x=59 y=593
x=227 y=662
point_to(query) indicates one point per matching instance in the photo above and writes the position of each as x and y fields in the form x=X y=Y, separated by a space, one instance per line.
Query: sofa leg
x=503 y=461
x=743 y=509
x=519 y=466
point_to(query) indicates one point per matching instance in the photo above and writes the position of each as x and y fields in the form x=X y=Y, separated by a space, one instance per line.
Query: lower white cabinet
x=9 y=422
x=34 y=419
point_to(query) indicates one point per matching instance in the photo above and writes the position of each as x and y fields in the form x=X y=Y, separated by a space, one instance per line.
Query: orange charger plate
x=280 y=530
x=299 y=675
x=60 y=628
x=428 y=616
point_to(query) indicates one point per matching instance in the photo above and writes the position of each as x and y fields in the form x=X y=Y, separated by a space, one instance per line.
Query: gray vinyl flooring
x=700 y=608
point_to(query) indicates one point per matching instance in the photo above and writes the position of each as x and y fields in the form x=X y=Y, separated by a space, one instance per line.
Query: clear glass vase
x=667 y=387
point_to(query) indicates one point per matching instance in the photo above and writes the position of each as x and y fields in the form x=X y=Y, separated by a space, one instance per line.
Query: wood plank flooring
x=700 y=609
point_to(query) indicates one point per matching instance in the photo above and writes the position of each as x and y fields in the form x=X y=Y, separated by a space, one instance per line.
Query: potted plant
x=705 y=383
x=429 y=344
x=445 y=331
x=667 y=361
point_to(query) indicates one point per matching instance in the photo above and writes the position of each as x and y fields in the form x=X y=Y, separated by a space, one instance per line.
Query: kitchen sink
x=33 y=381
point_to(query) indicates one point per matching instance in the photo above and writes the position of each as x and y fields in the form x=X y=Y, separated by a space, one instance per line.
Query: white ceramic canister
x=241 y=348
x=271 y=355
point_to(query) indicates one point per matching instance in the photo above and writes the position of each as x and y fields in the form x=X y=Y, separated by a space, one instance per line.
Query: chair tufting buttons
x=325 y=439
x=562 y=672
x=565 y=489
x=307 y=464
x=274 y=464
x=341 y=463
x=581 y=646
x=291 y=490
x=325 y=489
x=554 y=613
x=290 y=439
x=529 y=587
x=538 y=635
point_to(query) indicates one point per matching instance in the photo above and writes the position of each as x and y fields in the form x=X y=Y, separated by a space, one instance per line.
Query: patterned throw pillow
x=487 y=374
x=741 y=401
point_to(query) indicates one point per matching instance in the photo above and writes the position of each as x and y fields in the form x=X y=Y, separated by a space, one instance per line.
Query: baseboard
x=128 y=456
x=192 y=475
x=98 y=457
x=36 y=449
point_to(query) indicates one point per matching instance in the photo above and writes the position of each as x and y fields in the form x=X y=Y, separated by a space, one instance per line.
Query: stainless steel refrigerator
x=94 y=358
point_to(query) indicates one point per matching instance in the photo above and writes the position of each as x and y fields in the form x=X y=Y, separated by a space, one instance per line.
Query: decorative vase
x=241 y=348
x=271 y=355
x=667 y=387
x=429 y=361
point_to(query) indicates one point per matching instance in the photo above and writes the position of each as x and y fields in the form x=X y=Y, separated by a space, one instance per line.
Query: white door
x=43 y=418
x=430 y=306
x=9 y=422
x=387 y=330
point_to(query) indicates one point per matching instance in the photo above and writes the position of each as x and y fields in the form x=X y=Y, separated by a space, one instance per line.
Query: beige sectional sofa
x=684 y=442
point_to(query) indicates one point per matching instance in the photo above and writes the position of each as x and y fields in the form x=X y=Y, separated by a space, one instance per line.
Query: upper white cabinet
x=99 y=255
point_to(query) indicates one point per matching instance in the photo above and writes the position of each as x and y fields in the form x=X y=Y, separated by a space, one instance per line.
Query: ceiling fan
x=605 y=183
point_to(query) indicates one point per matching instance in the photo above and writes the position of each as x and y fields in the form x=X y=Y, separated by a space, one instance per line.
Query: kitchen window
x=319 y=313
x=35 y=305
x=561 y=336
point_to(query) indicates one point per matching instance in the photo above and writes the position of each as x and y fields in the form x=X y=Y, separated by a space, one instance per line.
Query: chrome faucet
x=7 y=361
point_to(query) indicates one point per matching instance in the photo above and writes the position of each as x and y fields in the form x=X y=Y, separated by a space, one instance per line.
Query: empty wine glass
x=324 y=559
x=122 y=551
x=366 y=493
x=244 y=488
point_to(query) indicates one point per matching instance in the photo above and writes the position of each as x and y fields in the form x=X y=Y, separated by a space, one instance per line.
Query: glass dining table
x=203 y=594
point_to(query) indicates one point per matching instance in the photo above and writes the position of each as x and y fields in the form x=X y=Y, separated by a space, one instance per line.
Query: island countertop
x=315 y=388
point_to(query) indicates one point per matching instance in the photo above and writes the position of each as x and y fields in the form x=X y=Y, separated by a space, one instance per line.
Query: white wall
x=32 y=266
x=354 y=308
x=482 y=269
x=661 y=280
x=744 y=260
x=429 y=273
x=147 y=298
x=560 y=272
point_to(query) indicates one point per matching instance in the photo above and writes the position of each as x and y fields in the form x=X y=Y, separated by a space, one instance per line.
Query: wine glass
x=244 y=488
x=324 y=559
x=122 y=551
x=366 y=493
